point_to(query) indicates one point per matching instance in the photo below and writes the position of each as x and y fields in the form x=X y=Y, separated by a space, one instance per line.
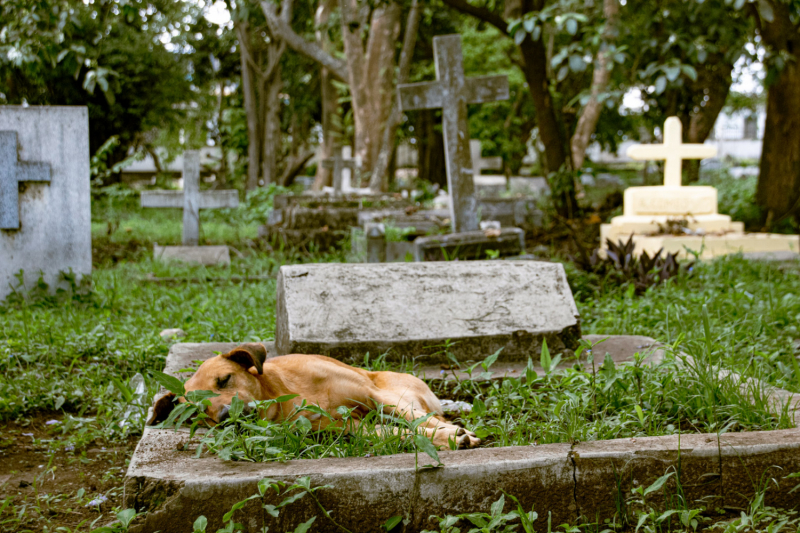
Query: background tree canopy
x=284 y=79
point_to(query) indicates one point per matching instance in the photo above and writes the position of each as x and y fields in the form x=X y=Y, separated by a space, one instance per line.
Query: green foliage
x=622 y=266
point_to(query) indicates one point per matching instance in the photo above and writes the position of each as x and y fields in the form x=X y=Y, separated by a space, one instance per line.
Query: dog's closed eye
x=224 y=381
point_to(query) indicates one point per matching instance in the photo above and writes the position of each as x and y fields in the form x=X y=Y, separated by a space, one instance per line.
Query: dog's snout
x=223 y=413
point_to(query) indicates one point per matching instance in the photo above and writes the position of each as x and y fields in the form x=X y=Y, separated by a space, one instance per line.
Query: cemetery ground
x=76 y=369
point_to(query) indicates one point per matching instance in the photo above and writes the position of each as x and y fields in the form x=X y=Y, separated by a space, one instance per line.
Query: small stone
x=172 y=333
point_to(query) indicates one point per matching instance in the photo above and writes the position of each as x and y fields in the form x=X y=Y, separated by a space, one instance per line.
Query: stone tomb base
x=572 y=481
x=203 y=255
x=762 y=245
x=470 y=245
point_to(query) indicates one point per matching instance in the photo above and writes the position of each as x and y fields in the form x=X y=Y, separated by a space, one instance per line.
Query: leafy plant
x=622 y=265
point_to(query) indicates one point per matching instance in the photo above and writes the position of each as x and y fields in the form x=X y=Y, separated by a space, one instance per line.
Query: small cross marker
x=672 y=151
x=337 y=164
x=191 y=198
x=12 y=172
x=452 y=92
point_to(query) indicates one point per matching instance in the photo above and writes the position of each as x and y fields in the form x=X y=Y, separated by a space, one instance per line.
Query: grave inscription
x=12 y=173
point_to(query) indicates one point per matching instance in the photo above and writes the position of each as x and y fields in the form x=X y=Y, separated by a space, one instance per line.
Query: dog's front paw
x=466 y=439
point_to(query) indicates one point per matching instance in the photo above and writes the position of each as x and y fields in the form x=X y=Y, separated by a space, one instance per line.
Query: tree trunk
x=250 y=107
x=383 y=168
x=370 y=74
x=587 y=123
x=368 y=71
x=272 y=127
x=328 y=102
x=430 y=143
x=714 y=82
x=778 y=188
x=778 y=191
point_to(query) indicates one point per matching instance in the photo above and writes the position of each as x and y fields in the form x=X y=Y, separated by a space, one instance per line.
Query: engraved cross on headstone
x=672 y=151
x=337 y=164
x=191 y=199
x=452 y=92
x=12 y=172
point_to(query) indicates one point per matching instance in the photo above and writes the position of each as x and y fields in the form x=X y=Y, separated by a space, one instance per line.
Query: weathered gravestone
x=338 y=164
x=45 y=201
x=410 y=310
x=452 y=92
x=191 y=199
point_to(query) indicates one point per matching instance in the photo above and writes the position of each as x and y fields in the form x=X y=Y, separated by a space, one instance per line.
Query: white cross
x=672 y=152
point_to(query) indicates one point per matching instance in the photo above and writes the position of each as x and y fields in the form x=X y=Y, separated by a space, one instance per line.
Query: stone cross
x=452 y=92
x=337 y=164
x=672 y=151
x=482 y=163
x=12 y=172
x=191 y=199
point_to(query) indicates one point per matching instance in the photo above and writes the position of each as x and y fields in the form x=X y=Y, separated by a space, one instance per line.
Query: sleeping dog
x=320 y=381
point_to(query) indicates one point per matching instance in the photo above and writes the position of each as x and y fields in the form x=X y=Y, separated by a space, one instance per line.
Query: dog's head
x=229 y=374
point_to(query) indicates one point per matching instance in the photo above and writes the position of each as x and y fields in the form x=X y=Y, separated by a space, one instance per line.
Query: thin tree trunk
x=380 y=175
x=778 y=190
x=587 y=123
x=250 y=107
x=272 y=127
x=329 y=102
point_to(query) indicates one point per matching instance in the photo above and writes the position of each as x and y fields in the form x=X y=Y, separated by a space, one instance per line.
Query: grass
x=78 y=356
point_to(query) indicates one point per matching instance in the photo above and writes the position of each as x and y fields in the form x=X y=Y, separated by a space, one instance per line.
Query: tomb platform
x=684 y=220
x=573 y=481
x=470 y=245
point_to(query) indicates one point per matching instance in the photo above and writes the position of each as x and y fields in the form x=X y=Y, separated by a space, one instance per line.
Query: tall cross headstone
x=338 y=164
x=672 y=151
x=452 y=92
x=191 y=198
x=12 y=172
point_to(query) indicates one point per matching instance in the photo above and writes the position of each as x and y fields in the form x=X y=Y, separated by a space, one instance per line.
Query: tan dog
x=318 y=380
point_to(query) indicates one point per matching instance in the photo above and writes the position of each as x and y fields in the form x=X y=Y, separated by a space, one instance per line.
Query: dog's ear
x=162 y=407
x=247 y=355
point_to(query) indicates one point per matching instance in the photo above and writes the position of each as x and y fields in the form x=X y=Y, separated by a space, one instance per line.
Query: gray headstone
x=411 y=309
x=45 y=200
x=337 y=164
x=191 y=199
x=452 y=92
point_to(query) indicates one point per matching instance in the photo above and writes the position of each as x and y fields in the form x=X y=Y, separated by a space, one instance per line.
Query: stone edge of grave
x=571 y=480
x=203 y=255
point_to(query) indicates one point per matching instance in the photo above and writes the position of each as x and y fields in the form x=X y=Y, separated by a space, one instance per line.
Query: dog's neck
x=272 y=386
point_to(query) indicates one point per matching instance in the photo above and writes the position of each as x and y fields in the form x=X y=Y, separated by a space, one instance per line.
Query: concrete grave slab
x=409 y=310
x=470 y=245
x=203 y=255
x=571 y=481
x=45 y=201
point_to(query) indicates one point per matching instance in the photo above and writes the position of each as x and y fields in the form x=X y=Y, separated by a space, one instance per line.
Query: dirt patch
x=50 y=485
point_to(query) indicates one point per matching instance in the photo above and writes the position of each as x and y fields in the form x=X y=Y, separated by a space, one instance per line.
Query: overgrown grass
x=79 y=352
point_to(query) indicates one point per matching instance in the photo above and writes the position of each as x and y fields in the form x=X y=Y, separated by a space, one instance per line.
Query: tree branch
x=281 y=29
x=480 y=13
